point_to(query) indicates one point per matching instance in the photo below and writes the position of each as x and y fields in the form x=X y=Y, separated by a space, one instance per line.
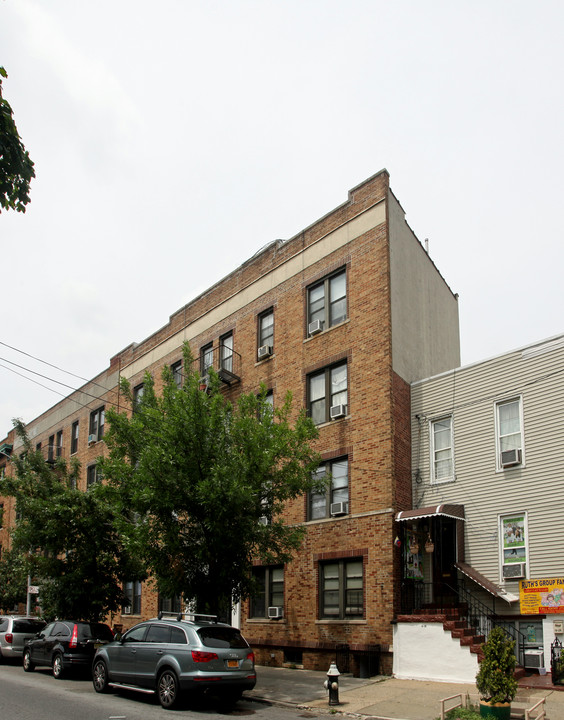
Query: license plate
x=233 y=663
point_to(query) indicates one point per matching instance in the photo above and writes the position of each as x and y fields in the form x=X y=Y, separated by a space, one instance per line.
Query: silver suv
x=172 y=656
x=15 y=630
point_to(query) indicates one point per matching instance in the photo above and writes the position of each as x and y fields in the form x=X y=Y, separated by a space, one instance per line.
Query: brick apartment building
x=346 y=314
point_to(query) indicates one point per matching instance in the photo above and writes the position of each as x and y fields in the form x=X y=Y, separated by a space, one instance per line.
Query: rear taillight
x=251 y=656
x=74 y=637
x=9 y=638
x=198 y=656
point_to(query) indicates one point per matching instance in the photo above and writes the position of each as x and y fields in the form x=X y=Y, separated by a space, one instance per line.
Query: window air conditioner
x=275 y=612
x=337 y=411
x=514 y=571
x=315 y=327
x=263 y=520
x=510 y=457
x=92 y=439
x=264 y=351
x=533 y=659
x=339 y=508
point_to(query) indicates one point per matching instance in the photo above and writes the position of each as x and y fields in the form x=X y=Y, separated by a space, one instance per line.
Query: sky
x=173 y=139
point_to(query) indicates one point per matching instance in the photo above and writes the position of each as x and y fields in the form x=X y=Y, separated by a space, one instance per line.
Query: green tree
x=74 y=550
x=191 y=476
x=16 y=167
x=13 y=579
x=496 y=677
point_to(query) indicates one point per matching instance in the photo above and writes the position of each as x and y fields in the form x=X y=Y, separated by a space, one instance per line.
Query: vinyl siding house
x=487 y=519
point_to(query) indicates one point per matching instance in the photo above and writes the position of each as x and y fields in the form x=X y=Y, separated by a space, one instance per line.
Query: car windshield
x=28 y=626
x=95 y=631
x=222 y=637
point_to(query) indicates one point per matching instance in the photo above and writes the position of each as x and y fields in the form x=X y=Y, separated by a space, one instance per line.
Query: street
x=38 y=696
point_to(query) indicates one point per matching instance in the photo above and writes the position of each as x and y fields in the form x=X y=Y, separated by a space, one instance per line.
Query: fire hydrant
x=332 y=684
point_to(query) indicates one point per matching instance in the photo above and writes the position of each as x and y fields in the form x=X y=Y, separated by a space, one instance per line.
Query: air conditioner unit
x=510 y=457
x=514 y=571
x=263 y=520
x=339 y=508
x=275 y=612
x=337 y=411
x=315 y=327
x=92 y=439
x=534 y=659
x=264 y=351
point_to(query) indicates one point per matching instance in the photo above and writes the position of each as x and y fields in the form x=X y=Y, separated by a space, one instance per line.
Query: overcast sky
x=173 y=139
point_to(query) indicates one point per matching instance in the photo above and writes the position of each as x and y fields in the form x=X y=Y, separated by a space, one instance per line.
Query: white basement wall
x=425 y=651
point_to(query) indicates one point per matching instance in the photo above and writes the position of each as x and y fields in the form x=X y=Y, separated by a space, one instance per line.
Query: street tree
x=16 y=167
x=200 y=483
x=13 y=579
x=74 y=552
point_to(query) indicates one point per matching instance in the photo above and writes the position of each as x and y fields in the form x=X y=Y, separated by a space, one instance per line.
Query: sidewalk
x=383 y=698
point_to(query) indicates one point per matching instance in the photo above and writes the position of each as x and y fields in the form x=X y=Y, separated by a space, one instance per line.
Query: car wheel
x=28 y=666
x=100 y=677
x=58 y=669
x=167 y=689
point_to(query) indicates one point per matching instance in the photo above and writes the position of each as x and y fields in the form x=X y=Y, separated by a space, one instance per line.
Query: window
x=327 y=301
x=266 y=330
x=336 y=496
x=206 y=358
x=509 y=438
x=38 y=447
x=132 y=591
x=170 y=604
x=93 y=475
x=341 y=589
x=176 y=369
x=96 y=430
x=51 y=449
x=327 y=389
x=137 y=396
x=59 y=443
x=74 y=437
x=270 y=592
x=513 y=550
x=1 y=515
x=226 y=352
x=441 y=450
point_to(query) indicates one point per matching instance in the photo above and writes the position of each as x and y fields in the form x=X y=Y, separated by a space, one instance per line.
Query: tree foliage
x=74 y=551
x=13 y=579
x=16 y=167
x=496 y=678
x=192 y=475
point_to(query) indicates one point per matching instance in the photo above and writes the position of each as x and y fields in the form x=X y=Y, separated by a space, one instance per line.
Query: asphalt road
x=38 y=696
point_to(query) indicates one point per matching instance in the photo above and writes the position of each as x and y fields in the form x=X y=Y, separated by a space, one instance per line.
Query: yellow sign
x=542 y=596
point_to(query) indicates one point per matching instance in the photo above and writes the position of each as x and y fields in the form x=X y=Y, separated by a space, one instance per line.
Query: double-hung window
x=137 y=396
x=265 y=333
x=509 y=433
x=74 y=437
x=96 y=428
x=206 y=358
x=176 y=369
x=270 y=590
x=327 y=302
x=51 y=449
x=59 y=443
x=132 y=591
x=341 y=589
x=335 y=499
x=442 y=467
x=327 y=393
x=514 y=545
x=93 y=475
x=226 y=352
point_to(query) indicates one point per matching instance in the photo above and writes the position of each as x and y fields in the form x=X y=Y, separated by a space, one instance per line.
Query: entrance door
x=444 y=558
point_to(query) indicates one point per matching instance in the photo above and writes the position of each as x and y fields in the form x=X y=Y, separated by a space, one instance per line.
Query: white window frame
x=502 y=548
x=497 y=405
x=450 y=478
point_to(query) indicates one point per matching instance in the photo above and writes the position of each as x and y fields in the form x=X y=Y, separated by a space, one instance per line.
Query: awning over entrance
x=444 y=510
x=483 y=582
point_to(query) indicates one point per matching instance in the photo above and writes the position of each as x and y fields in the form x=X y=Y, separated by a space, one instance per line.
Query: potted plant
x=496 y=678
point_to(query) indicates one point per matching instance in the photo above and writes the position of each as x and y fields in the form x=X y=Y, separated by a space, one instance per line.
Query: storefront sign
x=542 y=596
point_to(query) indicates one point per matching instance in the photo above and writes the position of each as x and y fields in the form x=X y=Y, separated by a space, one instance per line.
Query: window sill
x=266 y=621
x=327 y=519
x=328 y=423
x=333 y=327
x=265 y=360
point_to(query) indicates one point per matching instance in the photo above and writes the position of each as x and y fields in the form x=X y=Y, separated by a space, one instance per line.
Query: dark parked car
x=14 y=631
x=65 y=644
x=170 y=657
